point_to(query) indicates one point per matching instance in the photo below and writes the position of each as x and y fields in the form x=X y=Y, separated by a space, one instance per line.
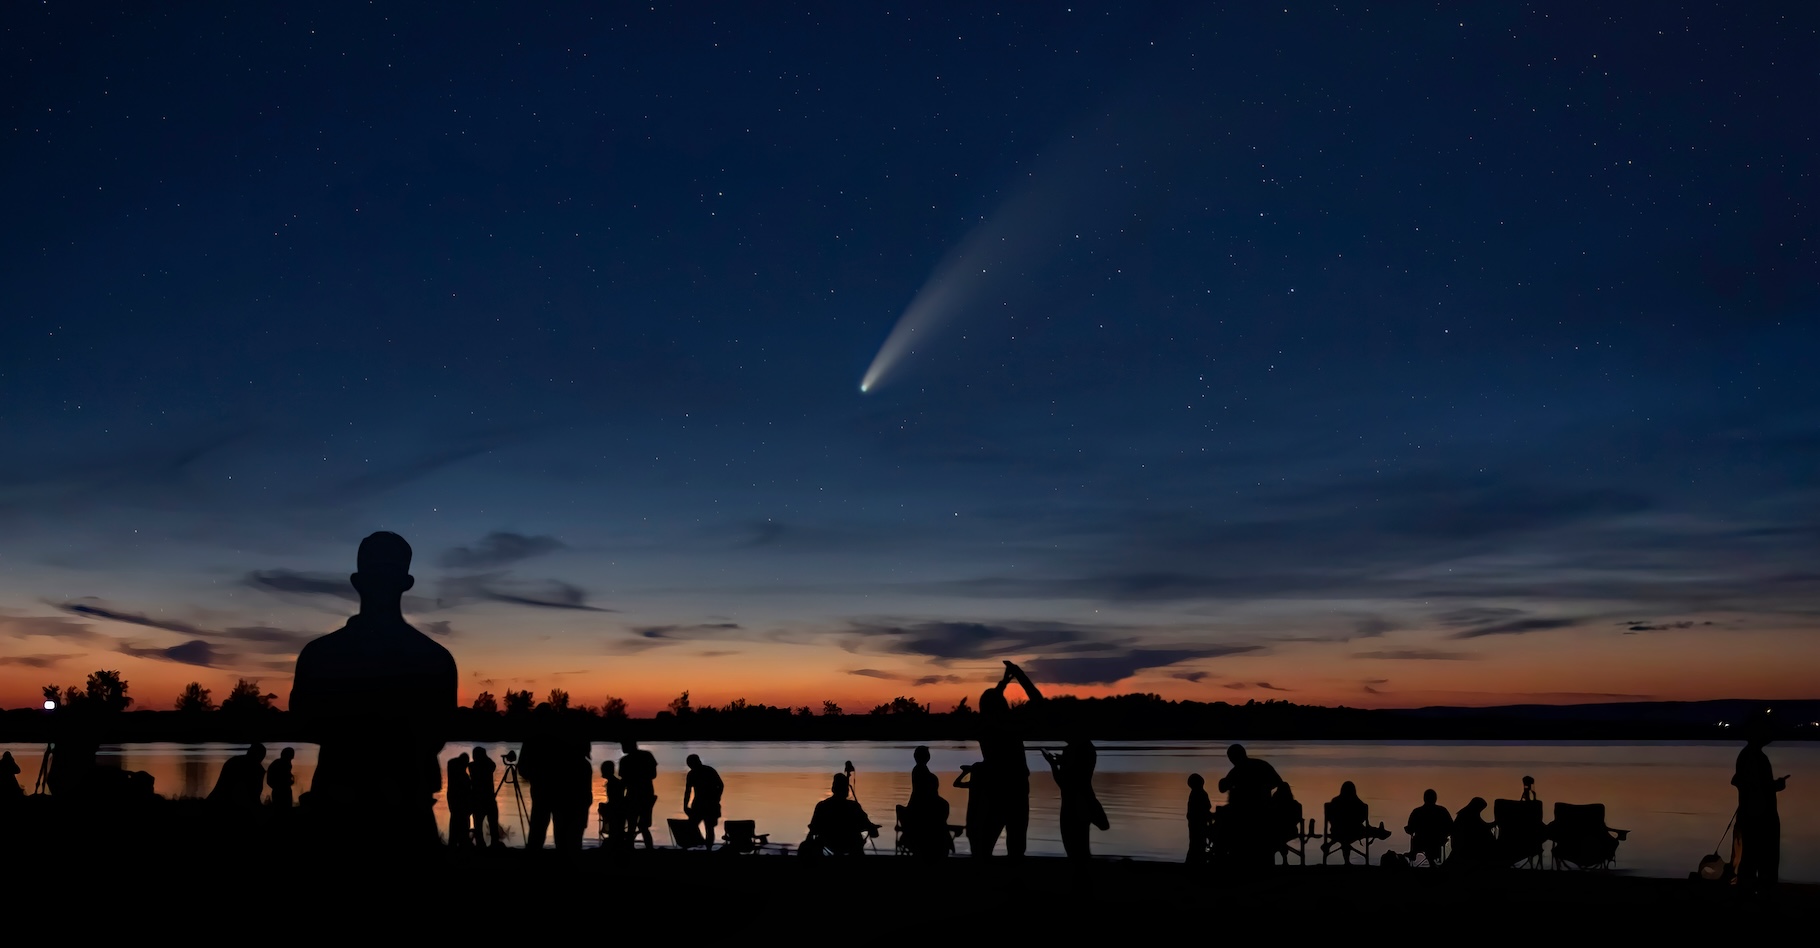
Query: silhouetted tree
x=735 y=706
x=679 y=705
x=53 y=693
x=519 y=702
x=901 y=705
x=962 y=707
x=613 y=709
x=805 y=712
x=247 y=699
x=485 y=703
x=830 y=709
x=107 y=691
x=194 y=698
x=559 y=699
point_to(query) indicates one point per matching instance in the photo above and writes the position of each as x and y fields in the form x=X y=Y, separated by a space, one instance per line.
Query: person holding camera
x=1007 y=774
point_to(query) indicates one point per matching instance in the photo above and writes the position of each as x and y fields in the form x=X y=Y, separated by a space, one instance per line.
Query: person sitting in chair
x=1474 y=845
x=839 y=824
x=1347 y=817
x=1428 y=828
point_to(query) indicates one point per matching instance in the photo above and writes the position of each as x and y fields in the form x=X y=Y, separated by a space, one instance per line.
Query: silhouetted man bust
x=377 y=695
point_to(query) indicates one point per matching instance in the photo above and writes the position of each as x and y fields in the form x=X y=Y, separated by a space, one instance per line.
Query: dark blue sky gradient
x=1485 y=336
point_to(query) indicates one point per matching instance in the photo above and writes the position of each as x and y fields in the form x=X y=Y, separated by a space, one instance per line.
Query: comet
x=1080 y=184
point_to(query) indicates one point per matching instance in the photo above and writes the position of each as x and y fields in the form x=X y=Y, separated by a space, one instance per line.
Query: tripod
x=511 y=777
x=43 y=784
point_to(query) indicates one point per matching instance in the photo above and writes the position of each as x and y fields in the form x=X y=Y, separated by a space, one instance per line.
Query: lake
x=1675 y=798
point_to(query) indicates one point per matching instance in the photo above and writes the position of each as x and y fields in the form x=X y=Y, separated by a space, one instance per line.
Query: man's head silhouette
x=692 y=761
x=1235 y=753
x=839 y=787
x=628 y=745
x=1429 y=797
x=382 y=570
x=920 y=755
x=256 y=751
x=1197 y=781
x=288 y=753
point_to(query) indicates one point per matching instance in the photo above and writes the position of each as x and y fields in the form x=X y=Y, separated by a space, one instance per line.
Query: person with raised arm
x=1007 y=772
x=1073 y=771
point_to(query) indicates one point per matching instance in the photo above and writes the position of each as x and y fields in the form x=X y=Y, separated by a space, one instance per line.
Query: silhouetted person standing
x=1757 y=841
x=484 y=795
x=377 y=695
x=1529 y=791
x=242 y=779
x=1073 y=771
x=554 y=759
x=1428 y=828
x=279 y=778
x=639 y=771
x=613 y=809
x=1248 y=787
x=1007 y=783
x=839 y=823
x=702 y=789
x=458 y=794
x=576 y=776
x=972 y=779
x=926 y=815
x=1200 y=818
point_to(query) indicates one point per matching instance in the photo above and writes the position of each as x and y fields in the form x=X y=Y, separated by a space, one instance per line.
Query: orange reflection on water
x=1675 y=798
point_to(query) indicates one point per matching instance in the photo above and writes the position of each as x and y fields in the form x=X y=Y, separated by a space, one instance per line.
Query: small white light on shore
x=50 y=705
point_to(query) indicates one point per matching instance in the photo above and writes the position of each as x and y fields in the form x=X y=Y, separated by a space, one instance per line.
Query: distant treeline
x=1123 y=717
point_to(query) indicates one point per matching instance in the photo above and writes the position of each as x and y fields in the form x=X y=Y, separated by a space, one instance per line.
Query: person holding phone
x=1757 y=842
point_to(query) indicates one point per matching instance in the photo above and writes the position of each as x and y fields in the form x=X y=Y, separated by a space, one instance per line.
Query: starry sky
x=1385 y=357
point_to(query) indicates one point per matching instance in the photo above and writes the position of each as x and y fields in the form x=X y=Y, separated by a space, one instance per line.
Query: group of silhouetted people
x=377 y=696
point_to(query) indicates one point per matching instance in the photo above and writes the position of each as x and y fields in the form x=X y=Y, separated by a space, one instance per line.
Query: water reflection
x=1675 y=798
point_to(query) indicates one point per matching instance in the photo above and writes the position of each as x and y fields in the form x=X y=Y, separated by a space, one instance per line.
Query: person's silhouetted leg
x=540 y=821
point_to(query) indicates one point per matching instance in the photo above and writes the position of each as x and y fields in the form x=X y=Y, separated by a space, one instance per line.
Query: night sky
x=1384 y=357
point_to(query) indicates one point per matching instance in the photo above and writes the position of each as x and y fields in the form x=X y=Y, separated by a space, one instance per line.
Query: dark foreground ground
x=173 y=870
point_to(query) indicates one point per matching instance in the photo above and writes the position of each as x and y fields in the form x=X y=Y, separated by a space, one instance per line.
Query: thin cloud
x=308 y=584
x=194 y=652
x=35 y=661
x=130 y=618
x=500 y=587
x=500 y=548
x=1417 y=655
x=1515 y=627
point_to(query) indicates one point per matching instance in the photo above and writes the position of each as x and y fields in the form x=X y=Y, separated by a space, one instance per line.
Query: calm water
x=1674 y=797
